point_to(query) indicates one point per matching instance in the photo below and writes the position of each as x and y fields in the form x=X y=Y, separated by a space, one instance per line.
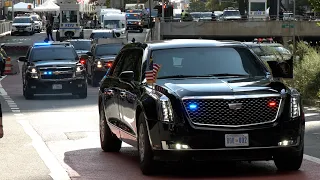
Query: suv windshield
x=56 y=53
x=275 y=50
x=81 y=45
x=133 y=16
x=114 y=49
x=98 y=35
x=22 y=20
x=207 y=61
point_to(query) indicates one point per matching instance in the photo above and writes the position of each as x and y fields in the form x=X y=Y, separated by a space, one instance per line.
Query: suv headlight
x=99 y=64
x=79 y=71
x=33 y=72
x=295 y=106
x=167 y=112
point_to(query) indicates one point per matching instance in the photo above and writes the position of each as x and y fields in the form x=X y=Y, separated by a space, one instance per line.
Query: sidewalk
x=19 y=159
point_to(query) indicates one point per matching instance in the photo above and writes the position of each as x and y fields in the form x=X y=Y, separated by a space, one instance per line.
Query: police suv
x=53 y=68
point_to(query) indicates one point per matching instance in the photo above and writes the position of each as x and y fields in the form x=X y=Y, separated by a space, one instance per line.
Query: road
x=56 y=137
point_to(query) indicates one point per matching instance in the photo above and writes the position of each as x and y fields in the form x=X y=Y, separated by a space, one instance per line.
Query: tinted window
x=206 y=15
x=231 y=13
x=206 y=61
x=195 y=15
x=108 y=49
x=60 y=53
x=258 y=6
x=113 y=24
x=22 y=20
x=98 y=35
x=81 y=45
x=69 y=16
x=133 y=16
x=154 y=13
x=131 y=62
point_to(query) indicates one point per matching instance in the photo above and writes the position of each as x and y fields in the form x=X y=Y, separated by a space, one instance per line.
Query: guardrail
x=5 y=28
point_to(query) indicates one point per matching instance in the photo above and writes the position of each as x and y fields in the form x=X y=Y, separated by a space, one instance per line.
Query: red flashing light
x=272 y=104
x=83 y=61
x=109 y=64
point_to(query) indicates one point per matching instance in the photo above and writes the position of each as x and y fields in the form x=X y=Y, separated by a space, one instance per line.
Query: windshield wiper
x=228 y=74
x=182 y=76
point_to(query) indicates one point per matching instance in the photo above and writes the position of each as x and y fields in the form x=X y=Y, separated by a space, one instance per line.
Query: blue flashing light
x=50 y=72
x=42 y=44
x=193 y=106
x=47 y=73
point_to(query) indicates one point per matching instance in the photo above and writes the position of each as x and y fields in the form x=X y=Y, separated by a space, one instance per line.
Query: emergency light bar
x=52 y=43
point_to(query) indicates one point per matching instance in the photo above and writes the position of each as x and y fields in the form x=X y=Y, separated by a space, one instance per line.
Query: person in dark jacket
x=49 y=31
x=1 y=125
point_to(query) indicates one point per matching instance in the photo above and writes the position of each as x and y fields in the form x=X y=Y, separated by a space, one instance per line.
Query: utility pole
x=162 y=10
x=294 y=29
x=150 y=19
x=278 y=10
x=12 y=9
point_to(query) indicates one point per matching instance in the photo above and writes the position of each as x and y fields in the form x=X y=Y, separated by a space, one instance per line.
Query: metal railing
x=5 y=28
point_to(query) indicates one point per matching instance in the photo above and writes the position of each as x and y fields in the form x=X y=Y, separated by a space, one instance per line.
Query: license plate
x=57 y=86
x=235 y=140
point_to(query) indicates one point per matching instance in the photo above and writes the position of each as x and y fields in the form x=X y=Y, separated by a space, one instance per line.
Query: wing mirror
x=126 y=76
x=89 y=54
x=22 y=59
x=282 y=69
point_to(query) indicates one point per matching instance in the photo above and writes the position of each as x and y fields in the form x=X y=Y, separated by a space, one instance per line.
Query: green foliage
x=315 y=5
x=197 y=6
x=213 y=5
x=306 y=72
x=108 y=2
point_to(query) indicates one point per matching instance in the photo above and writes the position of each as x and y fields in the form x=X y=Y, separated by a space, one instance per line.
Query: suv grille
x=216 y=112
x=57 y=73
x=60 y=76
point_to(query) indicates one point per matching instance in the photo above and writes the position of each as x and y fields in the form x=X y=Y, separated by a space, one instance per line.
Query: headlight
x=79 y=69
x=154 y=19
x=166 y=107
x=139 y=23
x=32 y=70
x=99 y=64
x=295 y=106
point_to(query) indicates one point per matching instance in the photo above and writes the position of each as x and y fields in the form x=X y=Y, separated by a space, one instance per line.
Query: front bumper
x=134 y=27
x=209 y=144
x=16 y=30
x=41 y=86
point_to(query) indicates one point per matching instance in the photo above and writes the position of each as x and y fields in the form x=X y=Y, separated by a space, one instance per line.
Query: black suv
x=99 y=61
x=53 y=68
x=134 y=22
x=212 y=100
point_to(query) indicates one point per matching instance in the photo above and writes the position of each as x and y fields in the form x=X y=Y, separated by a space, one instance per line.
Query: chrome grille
x=59 y=76
x=216 y=112
x=57 y=72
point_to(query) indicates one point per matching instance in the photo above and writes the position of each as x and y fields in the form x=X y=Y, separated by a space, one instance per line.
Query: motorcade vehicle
x=100 y=59
x=22 y=24
x=230 y=14
x=37 y=22
x=102 y=33
x=52 y=68
x=82 y=46
x=117 y=23
x=134 y=22
x=144 y=15
x=200 y=100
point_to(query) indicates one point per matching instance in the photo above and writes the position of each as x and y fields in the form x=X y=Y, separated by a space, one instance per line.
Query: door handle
x=123 y=94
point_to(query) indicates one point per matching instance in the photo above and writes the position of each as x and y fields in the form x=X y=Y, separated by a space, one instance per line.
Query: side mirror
x=282 y=69
x=22 y=59
x=126 y=76
x=89 y=54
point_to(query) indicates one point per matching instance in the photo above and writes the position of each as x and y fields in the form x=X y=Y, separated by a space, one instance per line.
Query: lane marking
x=311 y=114
x=57 y=172
x=311 y=158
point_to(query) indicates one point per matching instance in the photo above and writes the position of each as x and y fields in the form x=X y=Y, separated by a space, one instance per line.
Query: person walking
x=95 y=20
x=49 y=31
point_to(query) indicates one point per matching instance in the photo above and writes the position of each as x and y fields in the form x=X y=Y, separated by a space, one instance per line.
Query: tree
x=214 y=5
x=315 y=5
x=197 y=6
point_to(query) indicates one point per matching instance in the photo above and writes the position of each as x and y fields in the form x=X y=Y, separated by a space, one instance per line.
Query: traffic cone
x=8 y=67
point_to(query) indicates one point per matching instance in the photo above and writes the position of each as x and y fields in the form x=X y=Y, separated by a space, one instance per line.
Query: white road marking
x=311 y=158
x=57 y=171
x=311 y=114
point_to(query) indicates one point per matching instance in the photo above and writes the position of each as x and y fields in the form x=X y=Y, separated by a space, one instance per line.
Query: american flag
x=151 y=75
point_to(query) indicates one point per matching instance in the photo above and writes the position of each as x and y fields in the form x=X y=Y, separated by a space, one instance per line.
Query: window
x=231 y=13
x=132 y=62
x=81 y=45
x=133 y=16
x=114 y=24
x=22 y=20
x=69 y=16
x=97 y=35
x=205 y=61
x=113 y=49
x=258 y=6
x=59 y=53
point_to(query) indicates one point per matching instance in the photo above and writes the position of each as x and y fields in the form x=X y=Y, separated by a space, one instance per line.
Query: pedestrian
x=1 y=125
x=49 y=31
x=213 y=16
x=95 y=20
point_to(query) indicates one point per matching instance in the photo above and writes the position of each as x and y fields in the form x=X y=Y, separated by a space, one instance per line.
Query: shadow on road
x=95 y=164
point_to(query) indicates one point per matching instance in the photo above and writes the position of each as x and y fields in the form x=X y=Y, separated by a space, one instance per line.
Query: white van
x=116 y=22
x=102 y=12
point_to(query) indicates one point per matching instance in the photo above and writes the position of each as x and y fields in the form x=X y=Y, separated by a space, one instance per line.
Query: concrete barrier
x=5 y=28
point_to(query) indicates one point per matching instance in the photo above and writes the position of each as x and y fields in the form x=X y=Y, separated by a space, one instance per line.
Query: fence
x=5 y=28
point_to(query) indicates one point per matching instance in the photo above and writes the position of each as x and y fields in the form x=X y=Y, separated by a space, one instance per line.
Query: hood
x=55 y=63
x=21 y=24
x=227 y=86
x=81 y=52
x=107 y=57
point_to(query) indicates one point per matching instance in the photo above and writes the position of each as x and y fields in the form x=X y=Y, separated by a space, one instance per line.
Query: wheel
x=289 y=161
x=109 y=142
x=26 y=93
x=147 y=163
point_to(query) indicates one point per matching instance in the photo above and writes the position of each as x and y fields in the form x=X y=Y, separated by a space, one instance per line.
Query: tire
x=109 y=142
x=289 y=161
x=147 y=163
x=26 y=93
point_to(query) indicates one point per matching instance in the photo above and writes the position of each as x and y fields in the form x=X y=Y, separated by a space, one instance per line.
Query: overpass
x=237 y=30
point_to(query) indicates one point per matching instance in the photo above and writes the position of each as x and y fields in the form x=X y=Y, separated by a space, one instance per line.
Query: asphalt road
x=57 y=137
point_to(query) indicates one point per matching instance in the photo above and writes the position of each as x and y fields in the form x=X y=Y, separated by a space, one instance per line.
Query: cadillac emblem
x=235 y=106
